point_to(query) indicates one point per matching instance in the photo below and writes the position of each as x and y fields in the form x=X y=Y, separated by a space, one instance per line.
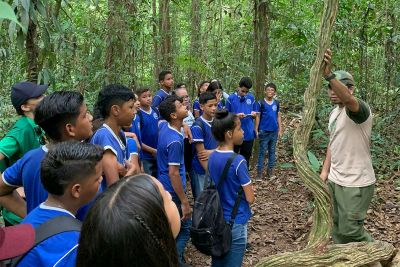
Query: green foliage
x=6 y=12
x=315 y=163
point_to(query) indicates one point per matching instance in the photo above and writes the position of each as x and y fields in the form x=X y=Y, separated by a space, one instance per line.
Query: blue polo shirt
x=106 y=138
x=269 y=116
x=202 y=136
x=159 y=97
x=170 y=152
x=196 y=106
x=58 y=250
x=135 y=128
x=131 y=148
x=237 y=176
x=220 y=106
x=26 y=172
x=149 y=130
x=246 y=105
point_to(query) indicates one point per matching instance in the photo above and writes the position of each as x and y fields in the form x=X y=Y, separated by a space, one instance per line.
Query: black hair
x=113 y=94
x=67 y=162
x=224 y=121
x=246 y=82
x=198 y=88
x=56 y=110
x=179 y=85
x=142 y=90
x=215 y=85
x=272 y=85
x=128 y=226
x=162 y=75
x=168 y=106
x=205 y=97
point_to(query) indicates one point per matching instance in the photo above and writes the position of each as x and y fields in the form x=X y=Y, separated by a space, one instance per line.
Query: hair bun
x=221 y=114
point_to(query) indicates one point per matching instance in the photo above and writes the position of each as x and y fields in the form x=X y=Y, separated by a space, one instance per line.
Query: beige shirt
x=351 y=163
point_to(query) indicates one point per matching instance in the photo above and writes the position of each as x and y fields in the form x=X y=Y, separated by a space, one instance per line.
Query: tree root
x=349 y=255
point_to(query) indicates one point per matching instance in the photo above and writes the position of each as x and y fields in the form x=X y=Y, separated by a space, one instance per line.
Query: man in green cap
x=348 y=164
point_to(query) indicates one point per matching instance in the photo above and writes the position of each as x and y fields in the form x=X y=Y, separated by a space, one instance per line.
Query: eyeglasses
x=40 y=134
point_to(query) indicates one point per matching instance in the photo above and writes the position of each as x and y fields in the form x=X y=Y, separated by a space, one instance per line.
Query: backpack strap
x=52 y=227
x=236 y=206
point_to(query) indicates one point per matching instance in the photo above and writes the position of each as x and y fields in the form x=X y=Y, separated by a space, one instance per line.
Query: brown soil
x=283 y=210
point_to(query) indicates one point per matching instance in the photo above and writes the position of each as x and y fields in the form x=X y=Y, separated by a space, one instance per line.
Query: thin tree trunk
x=156 y=50
x=195 y=53
x=32 y=50
x=165 y=33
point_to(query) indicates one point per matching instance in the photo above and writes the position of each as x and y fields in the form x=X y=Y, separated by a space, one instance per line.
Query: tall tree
x=32 y=49
x=261 y=41
x=165 y=34
x=195 y=39
x=156 y=50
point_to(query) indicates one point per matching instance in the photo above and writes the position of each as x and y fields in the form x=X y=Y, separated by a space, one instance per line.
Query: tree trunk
x=32 y=50
x=195 y=53
x=317 y=253
x=390 y=57
x=260 y=54
x=165 y=34
x=156 y=51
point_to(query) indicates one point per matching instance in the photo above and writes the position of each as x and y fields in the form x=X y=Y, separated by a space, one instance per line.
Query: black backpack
x=210 y=233
x=52 y=227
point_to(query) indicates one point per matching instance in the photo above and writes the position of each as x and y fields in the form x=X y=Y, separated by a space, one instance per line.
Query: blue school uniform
x=149 y=131
x=135 y=128
x=246 y=105
x=159 y=97
x=106 y=138
x=58 y=250
x=196 y=106
x=131 y=148
x=170 y=152
x=238 y=175
x=26 y=172
x=202 y=136
x=269 y=115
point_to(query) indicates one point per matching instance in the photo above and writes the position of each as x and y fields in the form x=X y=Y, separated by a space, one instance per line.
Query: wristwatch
x=330 y=77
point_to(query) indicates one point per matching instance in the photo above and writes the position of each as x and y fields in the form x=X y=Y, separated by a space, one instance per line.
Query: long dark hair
x=128 y=226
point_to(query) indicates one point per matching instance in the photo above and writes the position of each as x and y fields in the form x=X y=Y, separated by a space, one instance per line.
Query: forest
x=86 y=44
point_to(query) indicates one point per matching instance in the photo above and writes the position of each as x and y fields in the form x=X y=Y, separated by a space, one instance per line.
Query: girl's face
x=203 y=88
x=170 y=209
x=237 y=134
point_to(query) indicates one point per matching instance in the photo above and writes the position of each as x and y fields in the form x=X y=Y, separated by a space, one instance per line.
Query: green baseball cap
x=344 y=77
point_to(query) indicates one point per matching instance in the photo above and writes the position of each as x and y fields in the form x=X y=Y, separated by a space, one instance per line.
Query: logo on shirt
x=248 y=101
x=155 y=116
x=274 y=107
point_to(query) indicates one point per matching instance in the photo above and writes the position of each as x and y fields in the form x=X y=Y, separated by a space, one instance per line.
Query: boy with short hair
x=204 y=141
x=71 y=174
x=63 y=116
x=25 y=135
x=171 y=166
x=243 y=104
x=149 y=131
x=166 y=81
x=115 y=103
x=269 y=129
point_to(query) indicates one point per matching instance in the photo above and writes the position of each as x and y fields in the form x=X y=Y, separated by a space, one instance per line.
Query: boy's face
x=126 y=113
x=237 y=134
x=82 y=129
x=181 y=111
x=145 y=99
x=136 y=104
x=182 y=92
x=269 y=92
x=243 y=91
x=210 y=107
x=168 y=82
x=90 y=185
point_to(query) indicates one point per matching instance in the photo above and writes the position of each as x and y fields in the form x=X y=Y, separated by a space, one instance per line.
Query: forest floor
x=282 y=212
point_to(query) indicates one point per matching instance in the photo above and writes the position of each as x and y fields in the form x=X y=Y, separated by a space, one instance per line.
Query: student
x=166 y=81
x=25 y=135
x=115 y=104
x=133 y=131
x=227 y=130
x=134 y=223
x=216 y=88
x=245 y=107
x=63 y=116
x=196 y=105
x=204 y=142
x=149 y=131
x=71 y=174
x=171 y=166
x=269 y=129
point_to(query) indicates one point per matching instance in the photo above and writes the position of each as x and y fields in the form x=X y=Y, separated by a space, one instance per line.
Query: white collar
x=206 y=121
x=47 y=207
x=224 y=151
x=121 y=144
x=148 y=113
x=172 y=128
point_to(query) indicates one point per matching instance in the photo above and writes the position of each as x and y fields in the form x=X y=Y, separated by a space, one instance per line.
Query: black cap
x=23 y=91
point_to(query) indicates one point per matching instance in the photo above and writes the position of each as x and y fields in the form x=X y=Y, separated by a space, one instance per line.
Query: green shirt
x=20 y=139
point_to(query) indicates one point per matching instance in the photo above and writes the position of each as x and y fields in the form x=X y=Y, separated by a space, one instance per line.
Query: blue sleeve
x=105 y=142
x=256 y=106
x=131 y=147
x=278 y=106
x=228 y=105
x=196 y=105
x=156 y=101
x=12 y=176
x=242 y=171
x=197 y=133
x=175 y=153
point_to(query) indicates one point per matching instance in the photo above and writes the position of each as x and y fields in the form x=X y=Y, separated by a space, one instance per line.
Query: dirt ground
x=283 y=208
